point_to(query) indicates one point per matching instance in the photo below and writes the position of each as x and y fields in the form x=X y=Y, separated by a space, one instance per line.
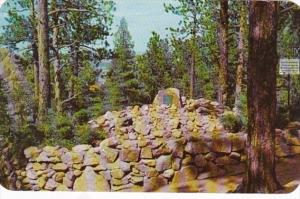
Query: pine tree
x=122 y=77
x=155 y=67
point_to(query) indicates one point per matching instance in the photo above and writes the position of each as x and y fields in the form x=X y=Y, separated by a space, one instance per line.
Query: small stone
x=162 y=150
x=110 y=154
x=136 y=179
x=81 y=148
x=146 y=153
x=58 y=177
x=124 y=166
x=106 y=174
x=176 y=147
x=31 y=174
x=50 y=185
x=158 y=133
x=168 y=173
x=154 y=183
x=174 y=123
x=62 y=187
x=51 y=151
x=100 y=168
x=155 y=144
x=67 y=182
x=130 y=155
x=142 y=143
x=132 y=136
x=60 y=167
x=188 y=173
x=50 y=173
x=117 y=173
x=38 y=166
x=176 y=165
x=77 y=173
x=31 y=152
x=119 y=182
x=72 y=158
x=200 y=161
x=77 y=166
x=109 y=142
x=151 y=172
x=187 y=160
x=23 y=173
x=129 y=144
x=196 y=147
x=235 y=155
x=221 y=143
x=43 y=157
x=176 y=133
x=91 y=159
x=163 y=163
x=41 y=182
x=211 y=156
x=150 y=163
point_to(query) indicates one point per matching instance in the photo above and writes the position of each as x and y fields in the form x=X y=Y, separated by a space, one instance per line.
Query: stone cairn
x=148 y=147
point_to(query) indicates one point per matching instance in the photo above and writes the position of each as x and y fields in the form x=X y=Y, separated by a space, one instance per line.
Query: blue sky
x=143 y=17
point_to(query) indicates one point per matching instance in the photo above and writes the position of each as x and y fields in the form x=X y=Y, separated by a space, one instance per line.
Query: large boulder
x=170 y=96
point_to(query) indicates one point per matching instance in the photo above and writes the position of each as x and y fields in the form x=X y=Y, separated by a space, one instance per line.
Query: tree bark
x=56 y=63
x=241 y=61
x=74 y=51
x=44 y=65
x=223 y=46
x=192 y=69
x=35 y=51
x=263 y=59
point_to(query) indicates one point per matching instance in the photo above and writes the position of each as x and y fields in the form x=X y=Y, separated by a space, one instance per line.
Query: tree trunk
x=263 y=59
x=241 y=61
x=75 y=72
x=35 y=56
x=56 y=63
x=223 y=46
x=192 y=69
x=44 y=65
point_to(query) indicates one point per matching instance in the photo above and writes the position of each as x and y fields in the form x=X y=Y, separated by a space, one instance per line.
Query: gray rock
x=31 y=174
x=81 y=148
x=51 y=184
x=163 y=163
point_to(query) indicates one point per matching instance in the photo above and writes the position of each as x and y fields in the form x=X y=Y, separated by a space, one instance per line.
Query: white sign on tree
x=289 y=66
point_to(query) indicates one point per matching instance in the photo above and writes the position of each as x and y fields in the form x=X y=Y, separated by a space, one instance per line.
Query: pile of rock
x=148 y=147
